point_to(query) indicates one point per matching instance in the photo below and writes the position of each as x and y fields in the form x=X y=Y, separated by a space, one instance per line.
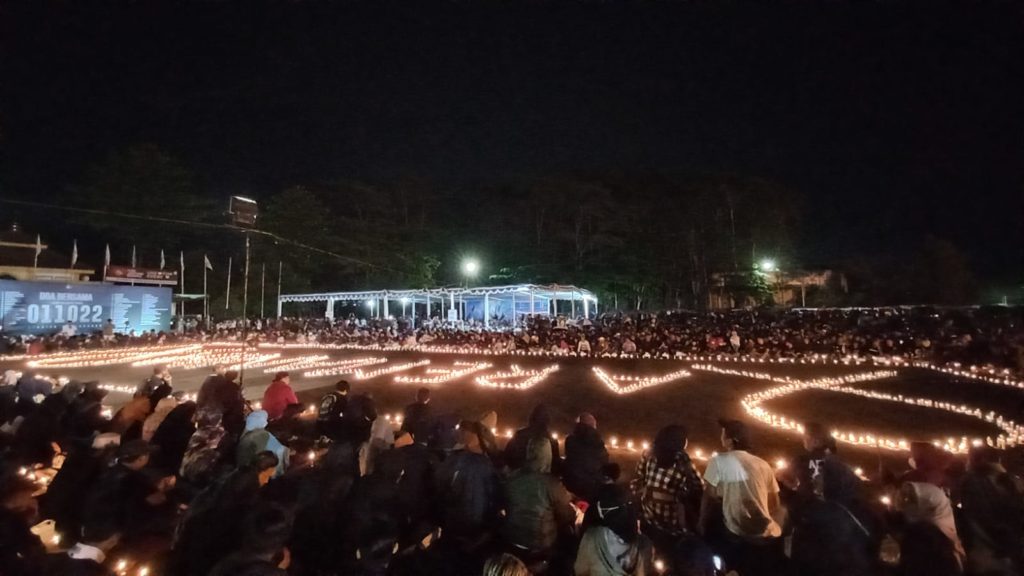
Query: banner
x=44 y=307
x=124 y=274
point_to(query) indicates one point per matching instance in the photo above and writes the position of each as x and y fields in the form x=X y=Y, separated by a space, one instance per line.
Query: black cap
x=135 y=448
x=735 y=431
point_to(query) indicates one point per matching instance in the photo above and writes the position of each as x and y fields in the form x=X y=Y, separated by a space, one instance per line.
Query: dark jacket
x=329 y=416
x=172 y=438
x=21 y=552
x=417 y=420
x=412 y=468
x=538 y=506
x=467 y=494
x=992 y=512
x=64 y=565
x=585 y=454
x=224 y=396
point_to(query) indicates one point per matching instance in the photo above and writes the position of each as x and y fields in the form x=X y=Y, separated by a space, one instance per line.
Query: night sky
x=889 y=119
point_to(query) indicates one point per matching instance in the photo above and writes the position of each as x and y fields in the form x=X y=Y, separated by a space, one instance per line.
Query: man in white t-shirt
x=742 y=488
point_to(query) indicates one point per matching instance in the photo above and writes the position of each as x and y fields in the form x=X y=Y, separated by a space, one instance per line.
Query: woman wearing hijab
x=153 y=421
x=202 y=454
x=930 y=543
x=172 y=437
x=612 y=545
x=257 y=439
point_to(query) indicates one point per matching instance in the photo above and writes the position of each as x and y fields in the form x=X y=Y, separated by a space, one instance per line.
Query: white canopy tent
x=459 y=304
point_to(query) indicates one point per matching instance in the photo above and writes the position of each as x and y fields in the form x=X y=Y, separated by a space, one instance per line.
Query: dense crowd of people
x=217 y=486
x=976 y=336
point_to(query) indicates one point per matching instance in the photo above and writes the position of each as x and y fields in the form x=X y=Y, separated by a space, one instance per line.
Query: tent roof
x=550 y=292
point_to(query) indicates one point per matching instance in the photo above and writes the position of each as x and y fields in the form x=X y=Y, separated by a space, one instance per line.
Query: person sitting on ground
x=466 y=485
x=212 y=526
x=331 y=411
x=539 y=427
x=611 y=544
x=203 y=453
x=87 y=557
x=129 y=497
x=992 y=502
x=157 y=386
x=278 y=396
x=538 y=507
x=743 y=487
x=21 y=552
x=263 y=549
x=172 y=436
x=153 y=421
x=417 y=418
x=585 y=454
x=930 y=544
x=257 y=439
x=667 y=487
x=505 y=565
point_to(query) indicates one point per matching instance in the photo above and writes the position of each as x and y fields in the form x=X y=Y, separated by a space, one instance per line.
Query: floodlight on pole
x=767 y=265
x=470 y=267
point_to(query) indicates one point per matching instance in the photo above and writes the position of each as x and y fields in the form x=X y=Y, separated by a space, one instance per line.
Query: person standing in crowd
x=585 y=455
x=992 y=504
x=539 y=427
x=108 y=331
x=278 y=396
x=331 y=411
x=667 y=487
x=417 y=418
x=743 y=488
x=538 y=507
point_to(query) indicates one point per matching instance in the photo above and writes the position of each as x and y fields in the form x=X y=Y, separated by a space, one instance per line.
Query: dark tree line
x=640 y=241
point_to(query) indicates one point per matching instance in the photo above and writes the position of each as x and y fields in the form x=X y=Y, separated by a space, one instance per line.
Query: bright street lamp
x=404 y=302
x=767 y=265
x=470 y=267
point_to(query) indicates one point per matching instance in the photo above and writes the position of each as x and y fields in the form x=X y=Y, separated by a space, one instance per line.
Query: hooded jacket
x=538 y=505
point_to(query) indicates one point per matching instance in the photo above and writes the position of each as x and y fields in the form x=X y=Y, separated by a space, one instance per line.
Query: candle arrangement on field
x=360 y=374
x=337 y=367
x=627 y=384
x=753 y=406
x=107 y=357
x=526 y=378
x=441 y=375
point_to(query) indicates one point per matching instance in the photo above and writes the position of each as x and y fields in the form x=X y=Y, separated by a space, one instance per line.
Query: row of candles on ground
x=142 y=355
x=752 y=405
x=635 y=383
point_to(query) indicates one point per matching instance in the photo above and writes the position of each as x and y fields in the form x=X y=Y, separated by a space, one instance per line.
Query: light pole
x=369 y=304
x=404 y=302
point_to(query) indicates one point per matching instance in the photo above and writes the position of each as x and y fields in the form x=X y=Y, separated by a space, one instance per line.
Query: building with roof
x=483 y=304
x=19 y=260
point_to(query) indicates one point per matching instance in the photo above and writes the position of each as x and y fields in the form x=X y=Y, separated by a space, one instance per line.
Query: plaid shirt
x=661 y=490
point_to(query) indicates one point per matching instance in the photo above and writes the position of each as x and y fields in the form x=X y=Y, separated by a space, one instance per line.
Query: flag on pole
x=206 y=262
x=106 y=257
x=133 y=256
x=227 y=294
x=182 y=259
x=162 y=263
x=74 y=254
x=39 y=250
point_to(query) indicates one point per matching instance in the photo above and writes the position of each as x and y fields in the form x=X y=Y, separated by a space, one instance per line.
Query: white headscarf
x=10 y=378
x=931 y=505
